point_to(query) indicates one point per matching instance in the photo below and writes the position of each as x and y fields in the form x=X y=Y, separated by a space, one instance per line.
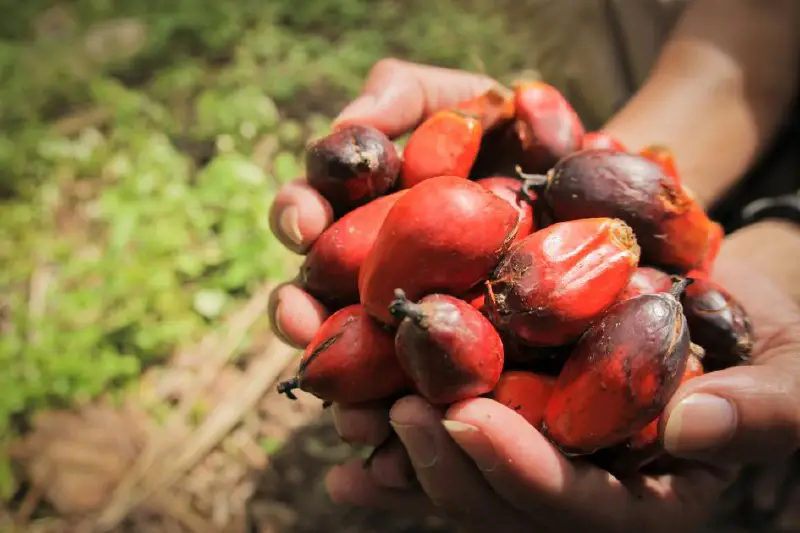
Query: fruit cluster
x=509 y=253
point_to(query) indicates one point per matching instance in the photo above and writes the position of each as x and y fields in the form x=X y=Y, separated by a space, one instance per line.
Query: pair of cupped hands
x=482 y=463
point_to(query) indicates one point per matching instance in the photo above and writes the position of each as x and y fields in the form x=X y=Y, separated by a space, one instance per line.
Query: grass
x=142 y=143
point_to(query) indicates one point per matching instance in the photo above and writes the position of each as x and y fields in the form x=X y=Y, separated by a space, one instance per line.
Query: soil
x=291 y=496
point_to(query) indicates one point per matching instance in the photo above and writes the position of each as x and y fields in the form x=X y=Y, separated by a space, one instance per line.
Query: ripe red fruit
x=662 y=156
x=550 y=286
x=446 y=144
x=445 y=235
x=493 y=108
x=351 y=359
x=510 y=190
x=621 y=374
x=352 y=166
x=644 y=447
x=525 y=392
x=646 y=280
x=718 y=323
x=547 y=126
x=330 y=270
x=449 y=349
x=716 y=234
x=602 y=141
x=672 y=229
x=648 y=437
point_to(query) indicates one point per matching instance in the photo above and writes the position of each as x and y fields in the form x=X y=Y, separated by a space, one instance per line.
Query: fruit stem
x=401 y=307
x=287 y=387
x=679 y=285
x=531 y=183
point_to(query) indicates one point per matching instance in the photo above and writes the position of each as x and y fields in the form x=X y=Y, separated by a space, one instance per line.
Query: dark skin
x=479 y=461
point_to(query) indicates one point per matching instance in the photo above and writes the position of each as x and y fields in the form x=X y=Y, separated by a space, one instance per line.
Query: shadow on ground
x=291 y=496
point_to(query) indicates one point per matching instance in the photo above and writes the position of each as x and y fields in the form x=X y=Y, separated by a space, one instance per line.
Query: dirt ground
x=291 y=496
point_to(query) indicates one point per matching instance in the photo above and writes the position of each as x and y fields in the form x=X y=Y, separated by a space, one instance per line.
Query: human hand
x=396 y=97
x=487 y=468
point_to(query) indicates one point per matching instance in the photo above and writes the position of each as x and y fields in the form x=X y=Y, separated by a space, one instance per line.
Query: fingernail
x=474 y=442
x=288 y=222
x=360 y=107
x=276 y=322
x=419 y=444
x=700 y=423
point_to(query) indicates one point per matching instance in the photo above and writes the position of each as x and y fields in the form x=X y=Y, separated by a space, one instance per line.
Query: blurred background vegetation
x=141 y=143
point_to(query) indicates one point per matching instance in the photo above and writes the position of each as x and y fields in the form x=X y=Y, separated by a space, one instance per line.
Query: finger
x=398 y=95
x=741 y=414
x=446 y=474
x=351 y=484
x=363 y=423
x=526 y=470
x=391 y=467
x=295 y=316
x=299 y=215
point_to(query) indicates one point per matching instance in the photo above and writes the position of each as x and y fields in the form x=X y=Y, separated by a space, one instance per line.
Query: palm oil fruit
x=621 y=374
x=550 y=286
x=445 y=144
x=510 y=189
x=448 y=348
x=493 y=108
x=672 y=229
x=718 y=323
x=445 y=235
x=646 y=280
x=524 y=392
x=601 y=140
x=547 y=126
x=351 y=359
x=644 y=447
x=330 y=269
x=352 y=166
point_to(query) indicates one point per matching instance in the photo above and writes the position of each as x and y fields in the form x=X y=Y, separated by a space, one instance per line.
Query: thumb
x=742 y=414
x=398 y=95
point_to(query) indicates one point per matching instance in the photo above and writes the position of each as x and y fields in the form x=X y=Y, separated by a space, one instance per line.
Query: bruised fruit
x=672 y=229
x=718 y=323
x=524 y=392
x=351 y=359
x=646 y=280
x=449 y=349
x=621 y=374
x=352 y=166
x=550 y=286
x=547 y=126
x=602 y=141
x=444 y=235
x=492 y=108
x=446 y=144
x=330 y=270
x=510 y=190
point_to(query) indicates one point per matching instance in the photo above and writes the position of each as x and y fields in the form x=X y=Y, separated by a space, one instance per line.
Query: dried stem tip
x=401 y=307
x=679 y=285
x=532 y=183
x=288 y=387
